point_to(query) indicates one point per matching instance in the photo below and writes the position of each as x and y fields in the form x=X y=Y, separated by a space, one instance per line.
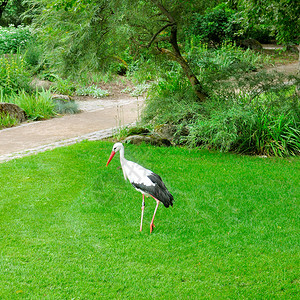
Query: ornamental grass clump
x=6 y=120
x=37 y=106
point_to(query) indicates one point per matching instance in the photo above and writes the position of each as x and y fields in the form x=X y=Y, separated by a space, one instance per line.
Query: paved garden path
x=98 y=119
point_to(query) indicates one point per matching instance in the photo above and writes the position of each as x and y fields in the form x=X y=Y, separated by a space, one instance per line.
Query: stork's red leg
x=151 y=224
x=143 y=207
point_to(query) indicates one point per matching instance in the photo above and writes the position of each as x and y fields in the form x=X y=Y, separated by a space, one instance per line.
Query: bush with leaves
x=221 y=63
x=253 y=113
x=93 y=91
x=14 y=38
x=217 y=25
x=13 y=74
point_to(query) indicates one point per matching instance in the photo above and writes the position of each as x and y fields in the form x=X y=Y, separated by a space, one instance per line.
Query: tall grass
x=224 y=61
x=37 y=106
x=7 y=121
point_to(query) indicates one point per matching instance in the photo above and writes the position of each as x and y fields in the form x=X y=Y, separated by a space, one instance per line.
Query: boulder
x=166 y=131
x=250 y=43
x=13 y=110
x=62 y=98
x=41 y=84
x=138 y=131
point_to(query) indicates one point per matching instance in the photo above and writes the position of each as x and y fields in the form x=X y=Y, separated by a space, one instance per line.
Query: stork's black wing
x=158 y=190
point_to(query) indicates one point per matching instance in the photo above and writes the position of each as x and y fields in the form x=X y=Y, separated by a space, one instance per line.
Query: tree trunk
x=197 y=86
x=176 y=55
x=299 y=59
x=195 y=83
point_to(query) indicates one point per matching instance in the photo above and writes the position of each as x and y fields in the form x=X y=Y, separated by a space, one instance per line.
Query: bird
x=144 y=181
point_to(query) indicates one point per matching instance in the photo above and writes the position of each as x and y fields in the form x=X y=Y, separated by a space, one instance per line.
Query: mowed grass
x=69 y=226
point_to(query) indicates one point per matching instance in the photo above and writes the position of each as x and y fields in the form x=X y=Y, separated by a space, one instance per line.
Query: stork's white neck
x=123 y=161
x=122 y=154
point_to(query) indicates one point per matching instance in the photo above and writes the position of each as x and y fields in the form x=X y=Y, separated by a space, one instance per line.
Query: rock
x=13 y=110
x=166 y=131
x=149 y=139
x=62 y=98
x=251 y=43
x=41 y=84
x=138 y=131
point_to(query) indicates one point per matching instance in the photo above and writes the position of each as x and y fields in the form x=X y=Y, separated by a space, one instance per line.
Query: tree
x=162 y=31
x=145 y=23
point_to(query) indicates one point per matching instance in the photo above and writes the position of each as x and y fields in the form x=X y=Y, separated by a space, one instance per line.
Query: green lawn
x=69 y=226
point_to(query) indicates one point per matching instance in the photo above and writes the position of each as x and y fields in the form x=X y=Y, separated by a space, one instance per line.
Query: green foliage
x=233 y=231
x=6 y=120
x=74 y=38
x=217 y=25
x=249 y=129
x=33 y=56
x=92 y=90
x=271 y=136
x=13 y=74
x=38 y=106
x=13 y=38
x=146 y=67
x=12 y=12
x=170 y=100
x=253 y=113
x=222 y=63
x=63 y=86
x=282 y=17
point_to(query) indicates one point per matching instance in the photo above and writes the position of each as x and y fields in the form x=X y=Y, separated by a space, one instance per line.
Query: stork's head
x=116 y=147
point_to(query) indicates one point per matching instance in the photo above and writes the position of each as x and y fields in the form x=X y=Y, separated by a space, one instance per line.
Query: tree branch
x=164 y=11
x=158 y=32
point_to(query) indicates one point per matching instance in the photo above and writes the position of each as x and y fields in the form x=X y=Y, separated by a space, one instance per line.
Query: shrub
x=216 y=25
x=264 y=119
x=13 y=38
x=246 y=130
x=93 y=91
x=13 y=74
x=222 y=63
x=171 y=100
x=219 y=129
x=269 y=135
x=63 y=86
x=66 y=107
x=33 y=56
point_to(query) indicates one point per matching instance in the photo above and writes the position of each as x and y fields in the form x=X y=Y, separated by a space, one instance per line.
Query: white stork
x=144 y=181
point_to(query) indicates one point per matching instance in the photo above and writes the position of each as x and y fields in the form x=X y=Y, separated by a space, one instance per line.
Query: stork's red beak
x=111 y=156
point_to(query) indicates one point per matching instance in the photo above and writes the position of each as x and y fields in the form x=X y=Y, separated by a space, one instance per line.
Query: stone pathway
x=99 y=119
